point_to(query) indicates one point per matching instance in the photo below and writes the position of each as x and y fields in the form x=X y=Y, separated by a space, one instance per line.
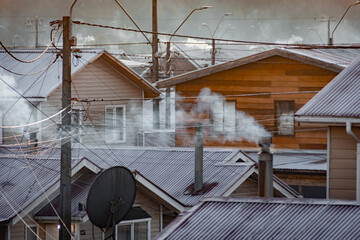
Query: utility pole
x=155 y=65
x=329 y=20
x=37 y=22
x=65 y=169
x=213 y=52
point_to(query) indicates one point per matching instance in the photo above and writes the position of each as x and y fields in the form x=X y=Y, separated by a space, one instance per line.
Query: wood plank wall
x=272 y=75
x=342 y=164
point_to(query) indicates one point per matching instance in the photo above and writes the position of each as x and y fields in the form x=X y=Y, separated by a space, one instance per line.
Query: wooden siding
x=17 y=231
x=272 y=75
x=98 y=80
x=249 y=188
x=303 y=179
x=342 y=164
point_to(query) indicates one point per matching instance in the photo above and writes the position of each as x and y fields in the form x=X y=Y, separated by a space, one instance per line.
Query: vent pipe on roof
x=198 y=185
x=265 y=161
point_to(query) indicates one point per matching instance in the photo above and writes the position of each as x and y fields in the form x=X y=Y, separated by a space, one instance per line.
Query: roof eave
x=330 y=120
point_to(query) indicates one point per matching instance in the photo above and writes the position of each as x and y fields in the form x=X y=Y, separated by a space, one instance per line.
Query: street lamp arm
x=183 y=23
x=332 y=33
x=195 y=9
x=226 y=14
x=71 y=9
x=207 y=26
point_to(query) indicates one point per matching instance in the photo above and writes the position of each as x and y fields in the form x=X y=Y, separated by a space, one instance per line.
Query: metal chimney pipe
x=265 y=161
x=198 y=185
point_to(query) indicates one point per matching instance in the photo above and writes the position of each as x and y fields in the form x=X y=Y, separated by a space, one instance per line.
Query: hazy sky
x=253 y=20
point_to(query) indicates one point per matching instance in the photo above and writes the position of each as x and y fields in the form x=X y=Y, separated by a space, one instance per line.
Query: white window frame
x=132 y=227
x=110 y=134
x=223 y=116
x=285 y=122
x=31 y=226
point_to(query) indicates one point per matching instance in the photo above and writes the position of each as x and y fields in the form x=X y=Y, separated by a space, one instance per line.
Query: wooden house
x=269 y=87
x=337 y=106
x=107 y=99
x=164 y=188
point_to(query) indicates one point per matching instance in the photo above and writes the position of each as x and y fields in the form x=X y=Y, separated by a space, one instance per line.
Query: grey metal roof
x=170 y=169
x=338 y=56
x=22 y=181
x=301 y=160
x=44 y=82
x=339 y=98
x=261 y=218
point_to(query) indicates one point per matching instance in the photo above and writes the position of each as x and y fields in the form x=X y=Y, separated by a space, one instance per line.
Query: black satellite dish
x=111 y=197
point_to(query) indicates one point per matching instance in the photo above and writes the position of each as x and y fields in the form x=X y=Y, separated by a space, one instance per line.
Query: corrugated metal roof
x=170 y=169
x=297 y=160
x=338 y=56
x=44 y=82
x=22 y=180
x=267 y=219
x=339 y=98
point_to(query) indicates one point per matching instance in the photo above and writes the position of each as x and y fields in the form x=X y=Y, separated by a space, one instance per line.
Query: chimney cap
x=265 y=143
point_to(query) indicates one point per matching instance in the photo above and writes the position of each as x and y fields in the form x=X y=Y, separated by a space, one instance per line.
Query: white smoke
x=242 y=127
x=14 y=109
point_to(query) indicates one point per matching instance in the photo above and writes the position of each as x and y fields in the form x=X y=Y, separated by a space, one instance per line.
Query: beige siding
x=90 y=231
x=152 y=208
x=98 y=81
x=17 y=231
x=248 y=188
x=342 y=165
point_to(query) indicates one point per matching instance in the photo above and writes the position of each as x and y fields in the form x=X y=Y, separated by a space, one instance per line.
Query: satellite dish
x=111 y=197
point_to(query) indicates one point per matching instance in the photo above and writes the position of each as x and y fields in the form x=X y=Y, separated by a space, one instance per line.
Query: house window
x=31 y=232
x=77 y=125
x=284 y=118
x=134 y=230
x=115 y=123
x=222 y=116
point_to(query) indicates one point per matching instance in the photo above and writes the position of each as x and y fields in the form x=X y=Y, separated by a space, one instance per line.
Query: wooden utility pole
x=155 y=64
x=65 y=169
x=213 y=52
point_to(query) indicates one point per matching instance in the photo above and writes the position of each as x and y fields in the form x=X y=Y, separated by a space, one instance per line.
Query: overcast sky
x=252 y=20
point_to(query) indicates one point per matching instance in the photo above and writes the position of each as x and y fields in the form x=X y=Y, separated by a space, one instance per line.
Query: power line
x=33 y=60
x=203 y=38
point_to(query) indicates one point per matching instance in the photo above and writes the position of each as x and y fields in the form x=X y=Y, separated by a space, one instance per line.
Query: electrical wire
x=203 y=38
x=34 y=123
x=33 y=73
x=33 y=60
